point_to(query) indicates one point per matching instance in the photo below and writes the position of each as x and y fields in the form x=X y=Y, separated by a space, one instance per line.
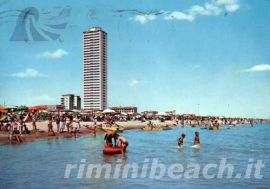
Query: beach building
x=70 y=101
x=149 y=113
x=95 y=69
x=131 y=110
x=77 y=102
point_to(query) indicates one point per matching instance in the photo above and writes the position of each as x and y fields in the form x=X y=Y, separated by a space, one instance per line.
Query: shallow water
x=153 y=154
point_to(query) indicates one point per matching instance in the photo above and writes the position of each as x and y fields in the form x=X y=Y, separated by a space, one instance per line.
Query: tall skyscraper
x=95 y=69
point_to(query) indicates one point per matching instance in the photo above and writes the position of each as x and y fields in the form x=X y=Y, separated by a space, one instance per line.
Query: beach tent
x=108 y=111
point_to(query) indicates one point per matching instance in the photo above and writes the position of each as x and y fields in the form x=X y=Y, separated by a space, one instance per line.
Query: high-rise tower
x=95 y=69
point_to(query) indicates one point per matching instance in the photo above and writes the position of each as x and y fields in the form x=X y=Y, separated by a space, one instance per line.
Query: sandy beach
x=86 y=128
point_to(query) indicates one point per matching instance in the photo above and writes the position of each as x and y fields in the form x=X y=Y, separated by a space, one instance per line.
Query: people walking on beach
x=196 y=139
x=76 y=127
x=50 y=127
x=121 y=142
x=34 y=122
x=20 y=126
x=68 y=121
x=180 y=140
x=57 y=120
x=62 y=124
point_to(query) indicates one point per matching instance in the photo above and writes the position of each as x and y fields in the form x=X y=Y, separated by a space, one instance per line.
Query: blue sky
x=194 y=56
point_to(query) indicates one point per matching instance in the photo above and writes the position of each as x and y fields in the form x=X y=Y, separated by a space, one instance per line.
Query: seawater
x=43 y=163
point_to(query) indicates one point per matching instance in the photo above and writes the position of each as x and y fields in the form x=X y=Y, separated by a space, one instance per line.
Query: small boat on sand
x=117 y=128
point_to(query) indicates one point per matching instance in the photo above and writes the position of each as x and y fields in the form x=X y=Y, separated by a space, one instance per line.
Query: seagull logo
x=47 y=26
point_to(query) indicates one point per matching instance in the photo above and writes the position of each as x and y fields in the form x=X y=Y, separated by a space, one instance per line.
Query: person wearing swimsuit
x=108 y=139
x=122 y=142
x=180 y=140
x=196 y=138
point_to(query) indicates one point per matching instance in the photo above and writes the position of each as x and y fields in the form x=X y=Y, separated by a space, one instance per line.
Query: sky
x=206 y=57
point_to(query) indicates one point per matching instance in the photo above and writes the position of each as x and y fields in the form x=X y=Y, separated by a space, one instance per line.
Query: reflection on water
x=43 y=163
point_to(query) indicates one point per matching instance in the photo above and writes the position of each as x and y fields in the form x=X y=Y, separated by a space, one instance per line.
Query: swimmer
x=122 y=141
x=180 y=140
x=196 y=139
x=108 y=139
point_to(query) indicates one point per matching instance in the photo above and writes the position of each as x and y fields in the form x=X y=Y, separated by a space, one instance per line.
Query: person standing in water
x=122 y=141
x=108 y=142
x=196 y=139
x=251 y=123
x=180 y=140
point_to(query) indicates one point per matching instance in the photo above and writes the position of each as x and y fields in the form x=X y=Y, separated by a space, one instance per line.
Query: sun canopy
x=161 y=114
x=108 y=111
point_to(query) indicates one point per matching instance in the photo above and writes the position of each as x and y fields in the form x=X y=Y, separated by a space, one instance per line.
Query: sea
x=236 y=157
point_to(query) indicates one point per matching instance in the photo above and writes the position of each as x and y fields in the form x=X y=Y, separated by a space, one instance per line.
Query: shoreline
x=85 y=129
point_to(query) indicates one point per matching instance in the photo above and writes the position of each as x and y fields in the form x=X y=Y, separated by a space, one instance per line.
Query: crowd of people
x=16 y=124
x=70 y=121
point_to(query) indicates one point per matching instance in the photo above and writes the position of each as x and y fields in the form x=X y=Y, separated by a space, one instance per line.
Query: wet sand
x=86 y=128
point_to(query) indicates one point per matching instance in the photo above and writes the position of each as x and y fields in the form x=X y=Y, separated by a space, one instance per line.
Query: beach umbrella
x=108 y=111
x=2 y=108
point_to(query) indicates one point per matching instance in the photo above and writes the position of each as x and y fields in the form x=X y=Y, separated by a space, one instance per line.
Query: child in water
x=180 y=140
x=196 y=139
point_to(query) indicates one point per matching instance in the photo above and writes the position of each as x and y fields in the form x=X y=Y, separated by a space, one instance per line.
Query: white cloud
x=213 y=8
x=226 y=2
x=52 y=55
x=28 y=73
x=133 y=82
x=232 y=8
x=45 y=98
x=143 y=18
x=207 y=10
x=230 y=5
x=179 y=16
x=259 y=68
x=198 y=10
